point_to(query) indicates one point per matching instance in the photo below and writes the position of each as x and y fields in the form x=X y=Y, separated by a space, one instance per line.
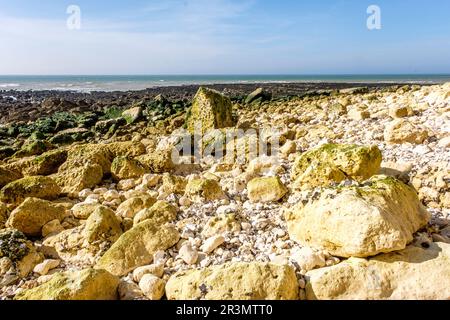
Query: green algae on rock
x=333 y=163
x=210 y=110
x=161 y=212
x=378 y=216
x=36 y=186
x=126 y=168
x=32 y=214
x=136 y=247
x=87 y=284
x=204 y=189
x=13 y=244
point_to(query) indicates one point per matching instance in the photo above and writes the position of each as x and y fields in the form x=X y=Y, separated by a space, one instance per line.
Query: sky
x=224 y=37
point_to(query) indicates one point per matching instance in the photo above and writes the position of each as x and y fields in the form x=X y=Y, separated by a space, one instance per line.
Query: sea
x=90 y=83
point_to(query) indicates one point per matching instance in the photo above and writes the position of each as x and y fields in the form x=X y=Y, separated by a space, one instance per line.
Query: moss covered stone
x=331 y=163
x=381 y=215
x=7 y=176
x=161 y=212
x=87 y=284
x=174 y=184
x=160 y=161
x=33 y=214
x=126 y=168
x=35 y=186
x=136 y=247
x=210 y=110
x=204 y=189
x=102 y=225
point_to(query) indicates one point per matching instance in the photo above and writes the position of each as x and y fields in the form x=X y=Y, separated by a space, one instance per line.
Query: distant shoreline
x=26 y=105
x=141 y=82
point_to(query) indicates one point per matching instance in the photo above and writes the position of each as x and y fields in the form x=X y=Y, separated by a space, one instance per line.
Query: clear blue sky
x=224 y=37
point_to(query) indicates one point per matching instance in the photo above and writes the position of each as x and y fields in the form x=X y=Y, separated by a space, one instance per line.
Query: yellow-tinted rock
x=221 y=224
x=75 y=179
x=83 y=210
x=401 y=131
x=210 y=110
x=125 y=149
x=161 y=212
x=102 y=225
x=332 y=163
x=159 y=161
x=235 y=281
x=43 y=165
x=414 y=273
x=174 y=184
x=126 y=168
x=87 y=284
x=136 y=247
x=3 y=215
x=198 y=190
x=266 y=189
x=33 y=214
x=379 y=216
x=130 y=207
x=7 y=176
x=36 y=186
x=399 y=111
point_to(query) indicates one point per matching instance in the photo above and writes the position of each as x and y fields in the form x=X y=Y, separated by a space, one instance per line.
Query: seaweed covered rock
x=21 y=252
x=42 y=165
x=35 y=186
x=13 y=244
x=378 y=216
x=415 y=273
x=210 y=110
x=87 y=284
x=33 y=148
x=136 y=247
x=235 y=281
x=133 y=114
x=33 y=214
x=331 y=163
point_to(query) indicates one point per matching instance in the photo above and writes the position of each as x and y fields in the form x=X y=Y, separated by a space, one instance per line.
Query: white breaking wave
x=9 y=85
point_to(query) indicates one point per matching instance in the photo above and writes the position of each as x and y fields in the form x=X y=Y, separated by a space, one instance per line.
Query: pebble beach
x=352 y=201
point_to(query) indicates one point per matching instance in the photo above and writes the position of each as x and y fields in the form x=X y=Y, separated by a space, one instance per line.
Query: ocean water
x=140 y=82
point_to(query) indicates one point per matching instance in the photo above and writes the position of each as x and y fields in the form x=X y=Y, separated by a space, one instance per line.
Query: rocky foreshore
x=337 y=193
